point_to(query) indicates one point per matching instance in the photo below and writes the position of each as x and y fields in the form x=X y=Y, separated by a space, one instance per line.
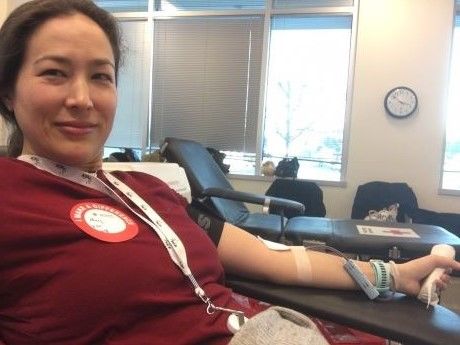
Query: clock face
x=401 y=102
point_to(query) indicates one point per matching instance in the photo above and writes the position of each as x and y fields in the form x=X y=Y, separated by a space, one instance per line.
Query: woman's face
x=65 y=95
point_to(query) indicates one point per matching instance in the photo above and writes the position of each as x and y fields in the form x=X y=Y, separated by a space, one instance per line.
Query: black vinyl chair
x=377 y=195
x=211 y=189
x=306 y=192
x=446 y=220
x=402 y=319
x=435 y=326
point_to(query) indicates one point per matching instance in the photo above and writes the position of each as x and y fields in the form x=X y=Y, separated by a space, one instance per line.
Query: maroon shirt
x=59 y=285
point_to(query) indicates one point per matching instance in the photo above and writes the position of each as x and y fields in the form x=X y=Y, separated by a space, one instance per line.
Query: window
x=451 y=168
x=133 y=87
x=306 y=93
x=257 y=80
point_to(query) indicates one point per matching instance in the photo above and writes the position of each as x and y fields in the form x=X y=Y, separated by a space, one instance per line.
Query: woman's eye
x=103 y=77
x=53 y=73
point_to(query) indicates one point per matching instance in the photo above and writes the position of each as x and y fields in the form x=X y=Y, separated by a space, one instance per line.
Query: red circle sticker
x=103 y=222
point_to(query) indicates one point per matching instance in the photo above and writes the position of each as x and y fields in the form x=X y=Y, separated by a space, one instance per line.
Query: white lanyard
x=170 y=240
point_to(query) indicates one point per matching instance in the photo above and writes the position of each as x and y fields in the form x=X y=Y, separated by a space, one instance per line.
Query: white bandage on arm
x=303 y=265
x=300 y=255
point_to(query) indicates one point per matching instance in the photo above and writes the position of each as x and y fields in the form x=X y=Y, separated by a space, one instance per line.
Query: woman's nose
x=79 y=95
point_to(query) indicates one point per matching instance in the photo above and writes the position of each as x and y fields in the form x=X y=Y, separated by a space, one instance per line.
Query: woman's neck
x=90 y=166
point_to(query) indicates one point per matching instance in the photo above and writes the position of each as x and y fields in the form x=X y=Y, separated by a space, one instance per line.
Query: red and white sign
x=103 y=222
x=386 y=231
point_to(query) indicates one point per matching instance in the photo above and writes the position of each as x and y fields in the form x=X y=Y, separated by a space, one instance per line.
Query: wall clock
x=401 y=102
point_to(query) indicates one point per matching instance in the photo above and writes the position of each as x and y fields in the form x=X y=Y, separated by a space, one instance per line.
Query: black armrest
x=404 y=319
x=254 y=199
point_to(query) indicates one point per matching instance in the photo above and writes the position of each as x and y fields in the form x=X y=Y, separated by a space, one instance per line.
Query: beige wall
x=400 y=42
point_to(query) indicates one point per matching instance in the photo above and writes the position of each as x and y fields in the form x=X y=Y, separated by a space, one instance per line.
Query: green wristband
x=382 y=275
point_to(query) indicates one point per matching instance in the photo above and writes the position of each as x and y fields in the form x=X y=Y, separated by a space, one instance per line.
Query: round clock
x=401 y=102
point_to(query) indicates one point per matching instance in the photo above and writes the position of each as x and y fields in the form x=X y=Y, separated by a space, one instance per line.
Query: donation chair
x=211 y=190
x=209 y=184
x=402 y=319
x=447 y=220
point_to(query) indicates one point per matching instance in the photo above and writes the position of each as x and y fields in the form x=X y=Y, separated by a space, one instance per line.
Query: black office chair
x=306 y=192
x=213 y=191
x=378 y=195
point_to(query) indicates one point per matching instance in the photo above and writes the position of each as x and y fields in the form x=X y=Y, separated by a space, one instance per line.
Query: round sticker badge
x=103 y=222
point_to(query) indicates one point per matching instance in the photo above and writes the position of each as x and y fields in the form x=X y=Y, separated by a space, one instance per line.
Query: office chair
x=377 y=195
x=306 y=192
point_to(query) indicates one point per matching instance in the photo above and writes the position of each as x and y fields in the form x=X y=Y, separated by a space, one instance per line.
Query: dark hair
x=15 y=34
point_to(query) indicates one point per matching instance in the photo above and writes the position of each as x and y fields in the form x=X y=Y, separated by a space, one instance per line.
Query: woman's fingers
x=443 y=282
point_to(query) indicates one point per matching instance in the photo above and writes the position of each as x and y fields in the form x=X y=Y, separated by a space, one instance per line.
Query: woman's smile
x=76 y=128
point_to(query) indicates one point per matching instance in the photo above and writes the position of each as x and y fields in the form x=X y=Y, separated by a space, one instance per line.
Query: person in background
x=90 y=257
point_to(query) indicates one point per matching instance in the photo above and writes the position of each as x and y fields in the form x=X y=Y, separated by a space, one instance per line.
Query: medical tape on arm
x=300 y=255
x=303 y=265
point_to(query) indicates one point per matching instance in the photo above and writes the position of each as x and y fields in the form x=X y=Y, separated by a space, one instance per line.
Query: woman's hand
x=410 y=275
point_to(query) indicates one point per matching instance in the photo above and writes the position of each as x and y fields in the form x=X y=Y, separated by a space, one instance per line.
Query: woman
x=94 y=258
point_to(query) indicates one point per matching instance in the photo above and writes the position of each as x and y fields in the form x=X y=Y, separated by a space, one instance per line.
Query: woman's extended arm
x=243 y=254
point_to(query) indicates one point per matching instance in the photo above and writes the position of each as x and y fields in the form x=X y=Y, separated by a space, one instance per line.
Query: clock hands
x=401 y=101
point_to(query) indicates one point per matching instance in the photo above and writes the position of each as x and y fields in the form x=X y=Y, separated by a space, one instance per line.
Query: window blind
x=132 y=115
x=124 y=5
x=206 y=80
x=310 y=3
x=190 y=5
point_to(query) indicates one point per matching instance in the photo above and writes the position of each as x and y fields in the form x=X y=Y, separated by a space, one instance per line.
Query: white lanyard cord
x=170 y=240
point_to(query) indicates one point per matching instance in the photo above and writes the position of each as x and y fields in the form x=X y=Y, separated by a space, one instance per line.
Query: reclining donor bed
x=211 y=189
x=402 y=319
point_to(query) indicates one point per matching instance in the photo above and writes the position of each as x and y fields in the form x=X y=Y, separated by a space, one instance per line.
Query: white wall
x=400 y=42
